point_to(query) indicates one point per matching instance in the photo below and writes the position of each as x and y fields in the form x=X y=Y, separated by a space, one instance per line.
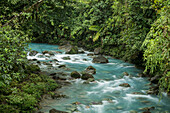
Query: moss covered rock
x=86 y=76
x=75 y=74
x=100 y=59
x=72 y=50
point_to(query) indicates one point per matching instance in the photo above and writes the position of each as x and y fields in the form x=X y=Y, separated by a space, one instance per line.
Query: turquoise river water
x=104 y=95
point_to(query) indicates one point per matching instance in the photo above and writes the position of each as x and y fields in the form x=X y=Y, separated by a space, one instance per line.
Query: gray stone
x=97 y=51
x=100 y=59
x=72 y=50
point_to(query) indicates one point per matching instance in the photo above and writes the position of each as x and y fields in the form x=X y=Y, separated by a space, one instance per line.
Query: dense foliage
x=136 y=31
x=12 y=54
x=20 y=88
x=157 y=49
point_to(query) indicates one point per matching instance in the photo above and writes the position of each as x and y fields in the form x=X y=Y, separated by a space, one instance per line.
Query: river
x=104 y=95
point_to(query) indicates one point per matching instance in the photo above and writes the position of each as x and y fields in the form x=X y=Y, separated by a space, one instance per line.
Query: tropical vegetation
x=136 y=31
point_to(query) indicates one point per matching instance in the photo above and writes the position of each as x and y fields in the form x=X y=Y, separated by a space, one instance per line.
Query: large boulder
x=90 y=70
x=75 y=74
x=100 y=59
x=65 y=47
x=86 y=76
x=56 y=111
x=33 y=53
x=72 y=50
x=97 y=51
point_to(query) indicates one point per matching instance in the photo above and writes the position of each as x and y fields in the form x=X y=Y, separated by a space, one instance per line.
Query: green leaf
x=94 y=28
x=96 y=36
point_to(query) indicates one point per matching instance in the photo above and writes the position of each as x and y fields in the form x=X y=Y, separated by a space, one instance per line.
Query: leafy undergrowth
x=21 y=85
x=24 y=96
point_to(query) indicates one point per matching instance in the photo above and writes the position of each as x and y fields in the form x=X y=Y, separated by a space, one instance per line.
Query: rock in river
x=75 y=74
x=125 y=85
x=90 y=70
x=86 y=76
x=65 y=47
x=100 y=59
x=72 y=50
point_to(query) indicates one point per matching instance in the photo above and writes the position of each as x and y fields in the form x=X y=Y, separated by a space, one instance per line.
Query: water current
x=104 y=95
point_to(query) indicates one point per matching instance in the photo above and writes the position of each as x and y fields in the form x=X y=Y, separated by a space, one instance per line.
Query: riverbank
x=24 y=95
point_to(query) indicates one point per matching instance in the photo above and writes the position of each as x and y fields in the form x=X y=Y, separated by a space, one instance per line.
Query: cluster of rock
x=97 y=56
x=85 y=75
x=70 y=49
x=34 y=53
x=45 y=54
